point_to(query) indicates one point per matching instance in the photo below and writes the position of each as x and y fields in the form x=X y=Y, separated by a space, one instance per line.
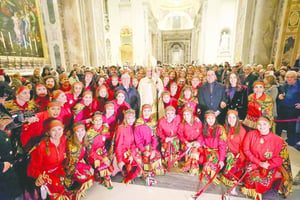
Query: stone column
x=52 y=24
x=263 y=31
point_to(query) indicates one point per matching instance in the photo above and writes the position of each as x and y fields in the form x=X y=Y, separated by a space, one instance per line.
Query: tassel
x=44 y=191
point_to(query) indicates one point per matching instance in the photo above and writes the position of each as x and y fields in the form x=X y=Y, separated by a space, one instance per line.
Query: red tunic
x=190 y=133
x=31 y=132
x=98 y=104
x=71 y=101
x=50 y=163
x=173 y=102
x=235 y=142
x=166 y=129
x=217 y=143
x=82 y=112
x=235 y=158
x=124 y=142
x=170 y=149
x=75 y=166
x=262 y=148
x=42 y=102
x=143 y=136
x=112 y=124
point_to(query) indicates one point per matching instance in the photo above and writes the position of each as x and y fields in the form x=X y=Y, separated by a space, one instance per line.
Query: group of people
x=60 y=135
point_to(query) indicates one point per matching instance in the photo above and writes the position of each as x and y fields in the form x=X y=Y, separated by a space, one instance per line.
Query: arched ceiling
x=175 y=14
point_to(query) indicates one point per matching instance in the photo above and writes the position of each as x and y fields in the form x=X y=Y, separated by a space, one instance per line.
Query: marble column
x=263 y=31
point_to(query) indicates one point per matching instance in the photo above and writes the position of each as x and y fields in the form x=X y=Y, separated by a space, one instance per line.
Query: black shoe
x=297 y=146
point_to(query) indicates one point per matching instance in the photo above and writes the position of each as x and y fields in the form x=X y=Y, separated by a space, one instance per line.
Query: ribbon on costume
x=149 y=180
x=178 y=158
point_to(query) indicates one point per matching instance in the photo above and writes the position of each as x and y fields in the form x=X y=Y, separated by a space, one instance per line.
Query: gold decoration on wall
x=290 y=35
x=126 y=45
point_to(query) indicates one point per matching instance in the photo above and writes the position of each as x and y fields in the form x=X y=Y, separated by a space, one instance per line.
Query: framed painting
x=21 y=30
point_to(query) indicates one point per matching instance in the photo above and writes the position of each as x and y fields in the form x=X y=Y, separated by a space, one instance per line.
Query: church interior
x=132 y=34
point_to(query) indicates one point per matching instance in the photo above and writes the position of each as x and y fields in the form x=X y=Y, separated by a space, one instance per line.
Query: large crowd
x=62 y=131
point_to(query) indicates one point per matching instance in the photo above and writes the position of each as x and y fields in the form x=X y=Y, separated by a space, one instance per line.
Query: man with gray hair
x=288 y=108
x=132 y=96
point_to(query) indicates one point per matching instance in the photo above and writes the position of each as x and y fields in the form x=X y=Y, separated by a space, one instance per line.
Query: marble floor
x=179 y=186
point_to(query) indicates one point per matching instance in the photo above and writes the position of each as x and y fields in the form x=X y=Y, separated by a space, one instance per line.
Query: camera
x=20 y=116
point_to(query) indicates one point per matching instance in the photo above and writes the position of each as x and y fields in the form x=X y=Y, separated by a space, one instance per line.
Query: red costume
x=31 y=133
x=125 y=149
x=112 y=124
x=98 y=104
x=98 y=155
x=47 y=160
x=215 y=150
x=235 y=158
x=76 y=168
x=188 y=133
x=165 y=130
x=42 y=102
x=82 y=112
x=173 y=102
x=71 y=100
x=183 y=103
x=146 y=142
x=268 y=148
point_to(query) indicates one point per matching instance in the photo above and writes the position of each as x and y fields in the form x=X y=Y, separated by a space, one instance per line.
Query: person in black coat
x=237 y=95
x=132 y=97
x=248 y=78
x=10 y=187
x=212 y=96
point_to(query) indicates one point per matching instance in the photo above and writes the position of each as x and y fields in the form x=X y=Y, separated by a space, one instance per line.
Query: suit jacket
x=212 y=101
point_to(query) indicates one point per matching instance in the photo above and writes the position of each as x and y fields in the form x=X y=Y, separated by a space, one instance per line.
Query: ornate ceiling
x=175 y=14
